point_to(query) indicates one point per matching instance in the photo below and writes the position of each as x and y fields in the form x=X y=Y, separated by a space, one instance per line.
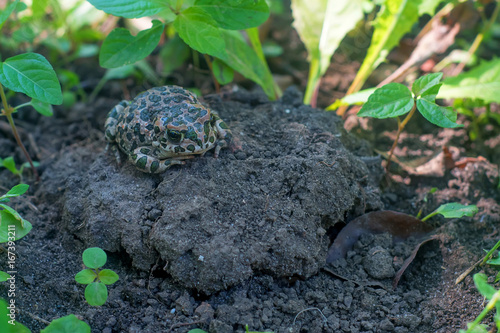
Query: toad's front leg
x=150 y=164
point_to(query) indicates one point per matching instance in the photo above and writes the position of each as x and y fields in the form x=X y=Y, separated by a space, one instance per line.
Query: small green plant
x=12 y=225
x=31 y=74
x=96 y=279
x=208 y=27
x=453 y=210
x=69 y=323
x=10 y=165
x=395 y=99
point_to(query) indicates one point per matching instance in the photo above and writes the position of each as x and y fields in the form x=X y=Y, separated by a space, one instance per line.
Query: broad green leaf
x=389 y=101
x=426 y=82
x=481 y=82
x=10 y=226
x=243 y=59
x=236 y=14
x=222 y=72
x=96 y=293
x=394 y=20
x=107 y=276
x=4 y=15
x=199 y=30
x=4 y=276
x=321 y=26
x=94 y=257
x=85 y=276
x=31 y=74
x=130 y=8
x=17 y=190
x=456 y=210
x=494 y=261
x=121 y=48
x=359 y=97
x=481 y=282
x=67 y=324
x=438 y=115
x=38 y=7
x=43 y=108
x=5 y=319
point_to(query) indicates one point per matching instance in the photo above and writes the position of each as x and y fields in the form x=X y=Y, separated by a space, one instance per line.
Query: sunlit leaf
x=438 y=115
x=130 y=8
x=236 y=14
x=391 y=100
x=456 y=210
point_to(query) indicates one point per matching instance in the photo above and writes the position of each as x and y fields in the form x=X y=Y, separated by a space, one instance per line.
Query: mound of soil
x=241 y=240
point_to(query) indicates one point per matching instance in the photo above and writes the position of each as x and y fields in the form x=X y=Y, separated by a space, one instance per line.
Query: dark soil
x=241 y=240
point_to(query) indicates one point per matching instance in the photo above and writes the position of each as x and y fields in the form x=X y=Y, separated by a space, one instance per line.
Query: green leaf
x=481 y=282
x=10 y=165
x=456 y=210
x=20 y=227
x=423 y=84
x=85 y=276
x=67 y=324
x=321 y=26
x=4 y=15
x=482 y=82
x=130 y=8
x=17 y=190
x=94 y=257
x=44 y=109
x=31 y=74
x=96 y=293
x=236 y=14
x=222 y=72
x=428 y=7
x=438 y=115
x=243 y=59
x=389 y=101
x=107 y=276
x=4 y=276
x=199 y=30
x=5 y=318
x=121 y=48
x=197 y=330
x=394 y=20
x=173 y=54
x=494 y=261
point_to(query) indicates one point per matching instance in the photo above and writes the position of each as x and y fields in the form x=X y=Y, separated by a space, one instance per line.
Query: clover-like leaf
x=12 y=223
x=438 y=115
x=96 y=293
x=85 y=276
x=107 y=276
x=236 y=14
x=94 y=257
x=69 y=323
x=31 y=74
x=4 y=276
x=199 y=30
x=130 y=8
x=481 y=282
x=389 y=101
x=121 y=48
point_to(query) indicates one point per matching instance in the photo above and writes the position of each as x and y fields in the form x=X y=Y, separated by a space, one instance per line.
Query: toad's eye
x=174 y=136
x=212 y=120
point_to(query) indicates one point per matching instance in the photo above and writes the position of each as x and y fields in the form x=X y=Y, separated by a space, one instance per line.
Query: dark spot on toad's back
x=154 y=98
x=141 y=163
x=150 y=127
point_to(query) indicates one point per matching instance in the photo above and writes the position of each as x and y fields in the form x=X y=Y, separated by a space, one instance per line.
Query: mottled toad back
x=164 y=126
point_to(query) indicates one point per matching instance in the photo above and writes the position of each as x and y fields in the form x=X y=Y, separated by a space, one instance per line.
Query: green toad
x=165 y=126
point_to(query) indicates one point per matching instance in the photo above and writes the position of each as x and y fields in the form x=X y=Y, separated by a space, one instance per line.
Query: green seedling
x=31 y=74
x=12 y=225
x=394 y=100
x=493 y=296
x=206 y=26
x=96 y=279
x=8 y=324
x=10 y=165
x=453 y=210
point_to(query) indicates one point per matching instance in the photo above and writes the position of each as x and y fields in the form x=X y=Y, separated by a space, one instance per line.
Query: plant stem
x=490 y=306
x=401 y=126
x=7 y=111
x=216 y=83
x=312 y=83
